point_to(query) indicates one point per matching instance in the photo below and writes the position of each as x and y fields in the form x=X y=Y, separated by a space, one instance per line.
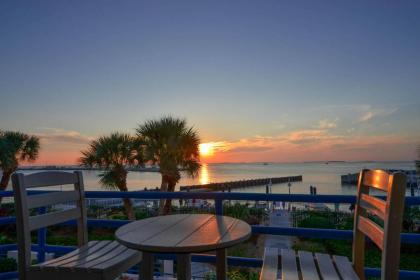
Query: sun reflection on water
x=204 y=174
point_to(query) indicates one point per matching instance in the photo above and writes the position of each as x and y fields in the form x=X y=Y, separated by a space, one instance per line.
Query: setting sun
x=206 y=149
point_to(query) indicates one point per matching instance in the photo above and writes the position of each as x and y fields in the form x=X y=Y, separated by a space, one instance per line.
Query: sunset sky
x=260 y=80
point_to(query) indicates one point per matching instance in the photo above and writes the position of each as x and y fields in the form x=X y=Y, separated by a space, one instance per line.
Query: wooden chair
x=92 y=260
x=306 y=265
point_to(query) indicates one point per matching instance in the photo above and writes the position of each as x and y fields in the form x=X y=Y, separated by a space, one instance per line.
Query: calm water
x=326 y=177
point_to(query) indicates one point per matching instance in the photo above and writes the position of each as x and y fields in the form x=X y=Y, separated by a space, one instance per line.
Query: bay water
x=326 y=177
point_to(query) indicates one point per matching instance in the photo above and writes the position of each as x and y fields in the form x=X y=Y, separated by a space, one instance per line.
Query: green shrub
x=316 y=222
x=102 y=236
x=6 y=239
x=63 y=240
x=7 y=264
x=142 y=214
x=310 y=246
x=242 y=212
x=235 y=274
x=117 y=216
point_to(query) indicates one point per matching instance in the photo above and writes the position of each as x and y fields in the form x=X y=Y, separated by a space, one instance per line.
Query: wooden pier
x=222 y=186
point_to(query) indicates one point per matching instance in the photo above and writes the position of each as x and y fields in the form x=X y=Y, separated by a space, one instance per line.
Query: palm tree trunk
x=168 y=204
x=128 y=205
x=5 y=178
x=129 y=209
x=163 y=188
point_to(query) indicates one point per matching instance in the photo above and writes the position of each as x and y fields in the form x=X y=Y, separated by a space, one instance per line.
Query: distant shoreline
x=156 y=168
x=149 y=168
x=69 y=167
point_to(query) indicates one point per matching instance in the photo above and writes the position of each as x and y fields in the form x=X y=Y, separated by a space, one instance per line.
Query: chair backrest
x=389 y=212
x=23 y=203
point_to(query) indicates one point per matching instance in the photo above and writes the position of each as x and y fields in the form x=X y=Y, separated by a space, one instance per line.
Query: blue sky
x=265 y=80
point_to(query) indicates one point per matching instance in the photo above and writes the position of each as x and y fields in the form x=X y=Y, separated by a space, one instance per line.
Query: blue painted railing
x=218 y=198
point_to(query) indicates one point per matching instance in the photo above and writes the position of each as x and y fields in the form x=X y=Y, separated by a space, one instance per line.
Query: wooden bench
x=92 y=260
x=307 y=265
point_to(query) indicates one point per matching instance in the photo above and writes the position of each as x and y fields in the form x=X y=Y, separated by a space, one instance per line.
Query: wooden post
x=147 y=267
x=184 y=266
x=221 y=264
x=22 y=225
x=82 y=229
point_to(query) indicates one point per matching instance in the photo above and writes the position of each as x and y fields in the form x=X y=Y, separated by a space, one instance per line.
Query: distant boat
x=265 y=163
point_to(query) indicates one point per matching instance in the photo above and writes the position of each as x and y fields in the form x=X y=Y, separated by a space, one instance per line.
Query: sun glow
x=206 y=149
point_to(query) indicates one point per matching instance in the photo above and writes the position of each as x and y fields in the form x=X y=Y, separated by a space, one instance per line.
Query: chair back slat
x=39 y=200
x=372 y=230
x=45 y=220
x=378 y=179
x=50 y=178
x=374 y=205
x=23 y=203
x=390 y=211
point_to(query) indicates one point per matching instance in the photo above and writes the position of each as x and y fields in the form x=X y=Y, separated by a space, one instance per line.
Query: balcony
x=219 y=199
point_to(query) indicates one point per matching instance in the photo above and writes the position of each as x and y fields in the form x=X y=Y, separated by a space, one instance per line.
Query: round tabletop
x=183 y=233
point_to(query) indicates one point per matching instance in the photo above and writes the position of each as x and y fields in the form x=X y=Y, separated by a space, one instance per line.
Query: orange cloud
x=59 y=146
x=317 y=144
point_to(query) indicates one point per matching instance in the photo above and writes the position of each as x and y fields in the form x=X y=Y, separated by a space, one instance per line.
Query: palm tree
x=172 y=145
x=114 y=154
x=15 y=147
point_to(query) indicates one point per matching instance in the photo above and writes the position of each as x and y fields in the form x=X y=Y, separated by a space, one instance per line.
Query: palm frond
x=16 y=146
x=117 y=149
x=114 y=153
x=192 y=167
x=171 y=144
x=31 y=149
x=112 y=179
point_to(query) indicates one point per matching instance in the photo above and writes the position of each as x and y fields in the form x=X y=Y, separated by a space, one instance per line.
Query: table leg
x=146 y=266
x=221 y=264
x=184 y=266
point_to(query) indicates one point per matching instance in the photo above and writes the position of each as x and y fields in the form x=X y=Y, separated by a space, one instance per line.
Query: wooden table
x=183 y=234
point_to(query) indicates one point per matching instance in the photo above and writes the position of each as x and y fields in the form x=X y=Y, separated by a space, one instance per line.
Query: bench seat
x=305 y=265
x=95 y=260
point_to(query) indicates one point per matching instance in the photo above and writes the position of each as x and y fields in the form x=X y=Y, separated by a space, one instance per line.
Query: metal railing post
x=42 y=238
x=218 y=205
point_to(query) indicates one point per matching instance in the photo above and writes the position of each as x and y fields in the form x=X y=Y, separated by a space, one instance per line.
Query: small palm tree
x=15 y=147
x=172 y=145
x=114 y=154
